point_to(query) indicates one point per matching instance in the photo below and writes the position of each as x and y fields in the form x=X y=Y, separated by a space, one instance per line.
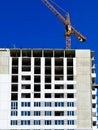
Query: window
x=26 y=86
x=47 y=70
x=59 y=70
x=70 y=113
x=70 y=104
x=14 y=61
x=48 y=113
x=70 y=95
x=59 y=77
x=26 y=53
x=26 y=61
x=59 y=122
x=25 y=122
x=70 y=77
x=59 y=95
x=94 y=123
x=59 y=113
x=48 y=86
x=37 y=113
x=69 y=70
x=37 y=95
x=26 y=68
x=25 y=113
x=26 y=77
x=37 y=87
x=70 y=53
x=14 y=96
x=37 y=70
x=47 y=122
x=25 y=95
x=14 y=79
x=48 y=79
x=25 y=104
x=37 y=62
x=69 y=61
x=47 y=95
x=37 y=104
x=70 y=87
x=15 y=70
x=47 y=104
x=59 y=86
x=59 y=53
x=48 y=53
x=37 y=122
x=14 y=122
x=14 y=53
x=59 y=104
x=14 y=113
x=36 y=79
x=70 y=122
x=48 y=62
x=59 y=62
x=37 y=53
x=14 y=87
x=14 y=105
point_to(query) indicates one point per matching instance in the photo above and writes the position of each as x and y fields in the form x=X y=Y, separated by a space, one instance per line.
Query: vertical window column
x=48 y=77
x=37 y=76
x=59 y=68
x=14 y=88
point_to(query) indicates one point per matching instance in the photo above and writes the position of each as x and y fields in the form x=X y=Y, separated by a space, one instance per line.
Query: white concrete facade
x=47 y=89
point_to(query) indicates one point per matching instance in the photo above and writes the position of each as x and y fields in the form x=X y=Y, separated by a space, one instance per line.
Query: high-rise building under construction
x=47 y=89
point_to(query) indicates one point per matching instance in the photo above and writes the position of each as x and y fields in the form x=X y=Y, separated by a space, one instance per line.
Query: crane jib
x=66 y=21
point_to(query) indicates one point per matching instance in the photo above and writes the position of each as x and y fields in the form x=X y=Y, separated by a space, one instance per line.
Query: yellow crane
x=69 y=29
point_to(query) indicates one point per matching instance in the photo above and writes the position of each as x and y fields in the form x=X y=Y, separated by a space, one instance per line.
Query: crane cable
x=59 y=6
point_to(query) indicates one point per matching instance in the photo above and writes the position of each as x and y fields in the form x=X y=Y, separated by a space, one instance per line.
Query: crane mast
x=69 y=29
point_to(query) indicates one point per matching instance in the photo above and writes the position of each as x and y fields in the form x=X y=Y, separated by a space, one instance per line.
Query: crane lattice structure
x=69 y=29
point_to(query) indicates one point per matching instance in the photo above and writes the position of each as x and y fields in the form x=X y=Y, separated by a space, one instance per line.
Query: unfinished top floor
x=51 y=53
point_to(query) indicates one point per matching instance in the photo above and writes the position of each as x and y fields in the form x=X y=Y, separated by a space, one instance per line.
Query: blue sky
x=30 y=24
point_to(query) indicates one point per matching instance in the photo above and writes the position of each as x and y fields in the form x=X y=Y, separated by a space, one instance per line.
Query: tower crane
x=69 y=29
